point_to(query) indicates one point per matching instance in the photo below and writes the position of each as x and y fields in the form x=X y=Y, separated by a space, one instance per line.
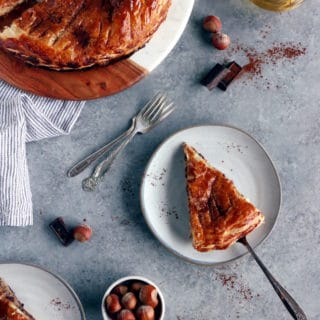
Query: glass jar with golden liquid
x=278 y=5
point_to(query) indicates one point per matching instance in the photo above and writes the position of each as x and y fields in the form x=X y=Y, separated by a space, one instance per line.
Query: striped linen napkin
x=25 y=118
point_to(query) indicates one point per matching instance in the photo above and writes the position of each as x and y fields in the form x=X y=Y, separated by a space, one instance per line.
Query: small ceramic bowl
x=126 y=281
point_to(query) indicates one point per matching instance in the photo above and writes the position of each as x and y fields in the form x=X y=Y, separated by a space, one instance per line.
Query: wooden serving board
x=100 y=81
x=74 y=85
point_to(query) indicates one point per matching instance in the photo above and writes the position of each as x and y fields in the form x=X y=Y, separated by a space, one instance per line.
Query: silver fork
x=156 y=110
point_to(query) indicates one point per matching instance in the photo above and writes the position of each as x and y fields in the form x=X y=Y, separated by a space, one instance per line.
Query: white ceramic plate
x=45 y=295
x=166 y=37
x=163 y=190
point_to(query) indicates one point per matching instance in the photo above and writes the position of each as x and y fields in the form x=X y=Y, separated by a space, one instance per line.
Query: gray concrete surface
x=285 y=118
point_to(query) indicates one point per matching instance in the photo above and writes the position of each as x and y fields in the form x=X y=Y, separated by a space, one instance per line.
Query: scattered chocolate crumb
x=157 y=177
x=125 y=222
x=59 y=305
x=232 y=282
x=165 y=211
x=227 y=280
x=127 y=187
x=233 y=147
x=265 y=31
x=283 y=51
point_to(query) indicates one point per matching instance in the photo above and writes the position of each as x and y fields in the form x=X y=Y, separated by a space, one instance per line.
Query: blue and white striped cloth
x=25 y=118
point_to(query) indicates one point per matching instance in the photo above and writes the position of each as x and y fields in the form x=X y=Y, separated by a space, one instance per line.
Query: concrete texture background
x=284 y=118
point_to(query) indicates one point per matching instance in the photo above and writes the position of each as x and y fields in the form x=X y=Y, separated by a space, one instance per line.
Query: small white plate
x=44 y=295
x=235 y=153
x=131 y=279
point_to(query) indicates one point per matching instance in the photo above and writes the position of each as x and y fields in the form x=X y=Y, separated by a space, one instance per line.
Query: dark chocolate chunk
x=215 y=76
x=234 y=71
x=60 y=230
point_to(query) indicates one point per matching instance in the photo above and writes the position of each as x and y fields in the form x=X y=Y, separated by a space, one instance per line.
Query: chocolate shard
x=234 y=71
x=215 y=76
x=60 y=230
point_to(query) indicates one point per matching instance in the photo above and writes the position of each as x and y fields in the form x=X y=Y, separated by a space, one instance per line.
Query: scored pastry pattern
x=77 y=34
x=219 y=214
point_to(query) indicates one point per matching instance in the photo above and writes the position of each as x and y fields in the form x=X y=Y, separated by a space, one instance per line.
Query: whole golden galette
x=76 y=34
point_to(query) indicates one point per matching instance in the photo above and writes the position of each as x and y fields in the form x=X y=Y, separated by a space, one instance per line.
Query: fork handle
x=83 y=164
x=291 y=305
x=91 y=183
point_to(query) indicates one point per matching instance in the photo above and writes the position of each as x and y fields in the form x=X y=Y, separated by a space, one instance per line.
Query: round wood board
x=100 y=81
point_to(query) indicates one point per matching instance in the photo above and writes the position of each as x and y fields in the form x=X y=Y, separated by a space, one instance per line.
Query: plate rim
x=142 y=202
x=59 y=278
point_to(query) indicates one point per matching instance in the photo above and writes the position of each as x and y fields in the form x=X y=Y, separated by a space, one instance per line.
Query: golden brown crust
x=10 y=307
x=219 y=214
x=76 y=34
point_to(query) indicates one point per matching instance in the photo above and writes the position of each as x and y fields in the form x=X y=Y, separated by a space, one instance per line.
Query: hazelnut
x=145 y=313
x=148 y=295
x=126 y=315
x=136 y=286
x=220 y=41
x=120 y=290
x=212 y=24
x=112 y=303
x=129 y=301
x=82 y=233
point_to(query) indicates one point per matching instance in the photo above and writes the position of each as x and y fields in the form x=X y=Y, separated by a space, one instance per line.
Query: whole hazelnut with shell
x=220 y=41
x=145 y=313
x=120 y=290
x=212 y=24
x=82 y=233
x=126 y=315
x=113 y=303
x=136 y=286
x=129 y=301
x=148 y=295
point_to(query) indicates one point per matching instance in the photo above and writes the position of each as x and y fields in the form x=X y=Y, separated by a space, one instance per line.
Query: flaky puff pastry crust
x=10 y=307
x=219 y=214
x=77 y=34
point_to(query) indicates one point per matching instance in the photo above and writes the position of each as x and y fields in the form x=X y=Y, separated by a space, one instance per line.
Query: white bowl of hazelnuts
x=133 y=298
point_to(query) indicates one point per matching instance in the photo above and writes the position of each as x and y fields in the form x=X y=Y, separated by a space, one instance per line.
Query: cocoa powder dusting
x=283 y=51
x=232 y=282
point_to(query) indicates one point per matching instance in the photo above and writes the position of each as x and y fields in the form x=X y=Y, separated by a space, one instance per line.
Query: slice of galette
x=10 y=307
x=219 y=214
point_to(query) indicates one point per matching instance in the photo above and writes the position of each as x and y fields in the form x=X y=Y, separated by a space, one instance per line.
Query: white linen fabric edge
x=25 y=118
